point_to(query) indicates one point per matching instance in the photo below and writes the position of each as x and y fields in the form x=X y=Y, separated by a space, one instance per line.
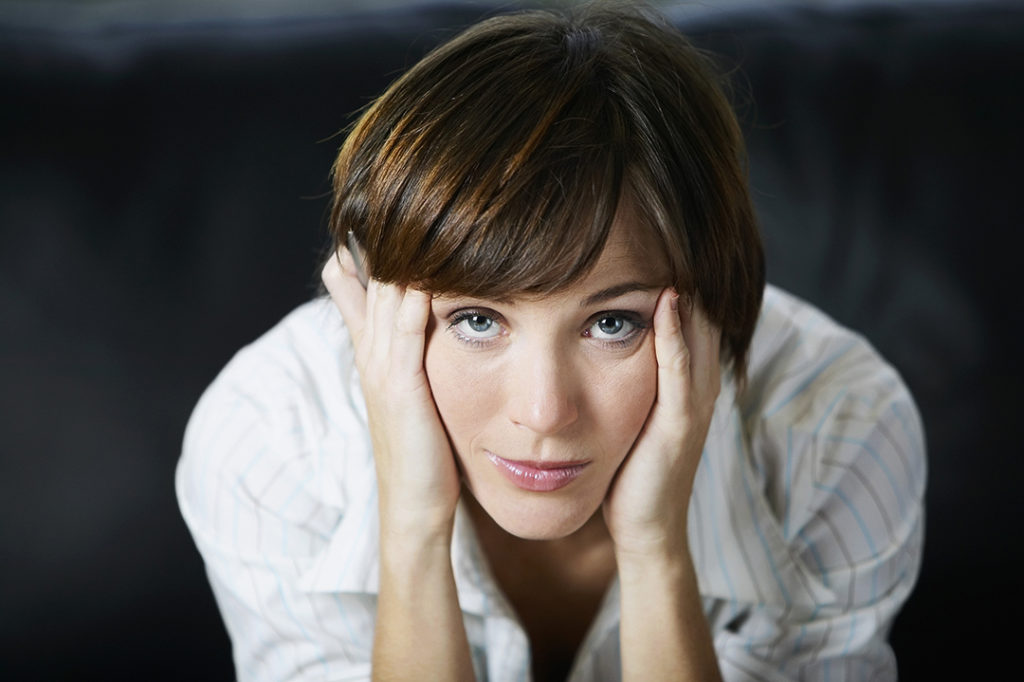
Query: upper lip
x=543 y=464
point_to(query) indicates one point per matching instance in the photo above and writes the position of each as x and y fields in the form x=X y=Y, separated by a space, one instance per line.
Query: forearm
x=664 y=633
x=419 y=633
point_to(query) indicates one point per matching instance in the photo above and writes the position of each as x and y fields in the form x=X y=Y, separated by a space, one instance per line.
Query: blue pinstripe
x=284 y=507
x=882 y=465
x=849 y=637
x=709 y=467
x=788 y=490
x=756 y=522
x=291 y=614
x=817 y=557
x=364 y=524
x=343 y=614
x=239 y=482
x=810 y=379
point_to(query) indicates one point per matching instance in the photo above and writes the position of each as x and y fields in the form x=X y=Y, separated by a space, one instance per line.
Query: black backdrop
x=162 y=202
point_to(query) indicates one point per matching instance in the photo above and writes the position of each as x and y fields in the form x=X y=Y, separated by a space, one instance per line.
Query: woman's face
x=543 y=397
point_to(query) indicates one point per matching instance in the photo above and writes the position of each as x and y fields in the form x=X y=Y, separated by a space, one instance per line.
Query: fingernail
x=673 y=301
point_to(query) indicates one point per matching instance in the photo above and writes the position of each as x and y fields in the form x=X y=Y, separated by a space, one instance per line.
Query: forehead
x=632 y=249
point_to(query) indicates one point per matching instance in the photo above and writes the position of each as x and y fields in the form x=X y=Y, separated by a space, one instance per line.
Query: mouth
x=535 y=476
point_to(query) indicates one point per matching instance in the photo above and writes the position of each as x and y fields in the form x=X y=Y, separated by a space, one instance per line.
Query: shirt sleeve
x=848 y=456
x=256 y=488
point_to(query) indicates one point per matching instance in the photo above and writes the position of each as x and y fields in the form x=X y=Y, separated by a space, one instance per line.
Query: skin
x=449 y=380
x=558 y=378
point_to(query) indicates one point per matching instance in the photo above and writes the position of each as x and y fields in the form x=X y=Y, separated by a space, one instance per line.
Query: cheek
x=626 y=397
x=460 y=393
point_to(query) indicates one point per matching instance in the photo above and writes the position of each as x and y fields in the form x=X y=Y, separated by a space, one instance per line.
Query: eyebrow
x=616 y=291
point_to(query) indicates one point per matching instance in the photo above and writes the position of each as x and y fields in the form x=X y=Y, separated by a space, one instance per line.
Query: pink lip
x=540 y=477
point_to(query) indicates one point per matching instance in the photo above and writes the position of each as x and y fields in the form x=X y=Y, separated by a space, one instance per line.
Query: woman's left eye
x=607 y=327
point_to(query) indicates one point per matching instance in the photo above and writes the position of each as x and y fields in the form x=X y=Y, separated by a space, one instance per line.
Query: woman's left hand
x=646 y=507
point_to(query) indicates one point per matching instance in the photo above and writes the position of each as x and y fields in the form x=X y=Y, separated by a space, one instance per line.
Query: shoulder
x=280 y=427
x=830 y=422
x=293 y=357
x=274 y=485
x=294 y=377
x=802 y=361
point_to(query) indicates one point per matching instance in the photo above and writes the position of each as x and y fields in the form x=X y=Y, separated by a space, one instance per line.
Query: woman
x=564 y=430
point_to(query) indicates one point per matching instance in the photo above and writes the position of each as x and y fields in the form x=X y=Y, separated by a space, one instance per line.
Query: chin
x=540 y=516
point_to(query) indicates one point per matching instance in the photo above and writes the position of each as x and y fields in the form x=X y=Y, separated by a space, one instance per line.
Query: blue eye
x=610 y=325
x=612 y=328
x=475 y=326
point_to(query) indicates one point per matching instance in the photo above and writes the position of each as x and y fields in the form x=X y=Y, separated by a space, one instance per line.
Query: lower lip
x=534 y=478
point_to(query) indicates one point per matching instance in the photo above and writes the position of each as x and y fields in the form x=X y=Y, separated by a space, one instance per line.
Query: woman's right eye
x=475 y=326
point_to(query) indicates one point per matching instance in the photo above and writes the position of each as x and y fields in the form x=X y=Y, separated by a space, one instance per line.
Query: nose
x=543 y=393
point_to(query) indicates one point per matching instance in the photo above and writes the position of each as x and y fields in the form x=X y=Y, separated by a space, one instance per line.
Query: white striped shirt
x=805 y=529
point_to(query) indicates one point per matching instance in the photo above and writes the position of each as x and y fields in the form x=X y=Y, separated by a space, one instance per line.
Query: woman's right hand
x=419 y=632
x=417 y=478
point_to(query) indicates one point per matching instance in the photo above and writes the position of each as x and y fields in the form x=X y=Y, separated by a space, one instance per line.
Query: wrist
x=411 y=562
x=401 y=535
x=416 y=520
x=670 y=561
x=661 y=541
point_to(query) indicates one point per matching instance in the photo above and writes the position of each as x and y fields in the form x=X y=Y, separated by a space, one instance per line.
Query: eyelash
x=463 y=315
x=636 y=333
x=639 y=327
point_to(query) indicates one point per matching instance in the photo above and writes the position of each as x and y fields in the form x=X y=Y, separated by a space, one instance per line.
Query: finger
x=409 y=339
x=382 y=302
x=672 y=355
x=349 y=297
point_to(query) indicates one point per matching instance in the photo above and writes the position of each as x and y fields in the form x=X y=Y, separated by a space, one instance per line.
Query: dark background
x=162 y=202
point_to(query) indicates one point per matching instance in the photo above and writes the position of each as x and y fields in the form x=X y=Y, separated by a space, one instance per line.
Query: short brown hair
x=495 y=166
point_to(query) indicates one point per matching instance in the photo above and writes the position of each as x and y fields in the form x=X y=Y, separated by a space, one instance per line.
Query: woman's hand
x=419 y=633
x=646 y=507
x=663 y=632
x=417 y=479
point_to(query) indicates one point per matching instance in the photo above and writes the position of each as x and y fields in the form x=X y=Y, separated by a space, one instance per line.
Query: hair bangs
x=487 y=190
x=539 y=233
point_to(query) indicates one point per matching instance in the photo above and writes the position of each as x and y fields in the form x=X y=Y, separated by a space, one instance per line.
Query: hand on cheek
x=417 y=479
x=646 y=506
